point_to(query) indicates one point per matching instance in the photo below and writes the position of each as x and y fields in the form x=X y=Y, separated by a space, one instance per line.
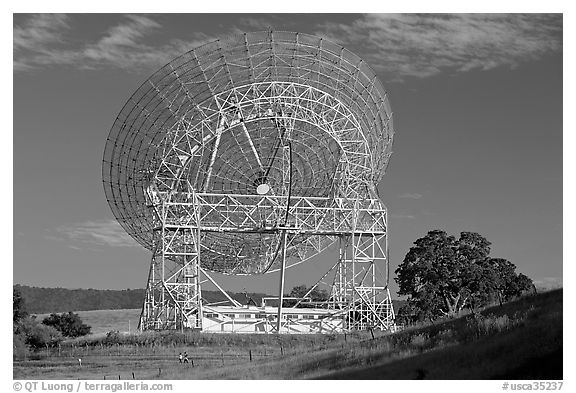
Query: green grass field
x=520 y=340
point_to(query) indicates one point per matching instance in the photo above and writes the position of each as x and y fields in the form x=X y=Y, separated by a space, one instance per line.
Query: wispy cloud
x=121 y=45
x=396 y=45
x=424 y=45
x=94 y=233
x=35 y=40
x=410 y=195
x=38 y=42
x=40 y=30
x=400 y=216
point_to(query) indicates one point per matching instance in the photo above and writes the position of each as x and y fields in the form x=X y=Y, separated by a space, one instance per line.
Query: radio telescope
x=249 y=155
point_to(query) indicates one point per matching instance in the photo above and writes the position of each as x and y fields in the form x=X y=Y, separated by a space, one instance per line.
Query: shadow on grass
x=532 y=349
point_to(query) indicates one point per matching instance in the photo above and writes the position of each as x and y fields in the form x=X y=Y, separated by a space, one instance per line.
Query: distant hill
x=49 y=300
x=55 y=300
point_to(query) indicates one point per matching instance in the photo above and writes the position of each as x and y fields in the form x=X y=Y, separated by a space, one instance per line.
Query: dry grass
x=521 y=339
x=102 y=321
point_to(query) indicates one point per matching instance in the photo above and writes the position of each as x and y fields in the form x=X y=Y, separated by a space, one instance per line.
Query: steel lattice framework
x=249 y=155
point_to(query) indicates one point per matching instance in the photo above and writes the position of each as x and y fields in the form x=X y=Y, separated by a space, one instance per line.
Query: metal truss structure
x=250 y=155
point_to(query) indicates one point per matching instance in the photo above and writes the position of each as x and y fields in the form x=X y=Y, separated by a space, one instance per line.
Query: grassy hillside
x=520 y=340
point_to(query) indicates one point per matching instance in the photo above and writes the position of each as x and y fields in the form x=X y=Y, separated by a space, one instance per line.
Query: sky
x=477 y=102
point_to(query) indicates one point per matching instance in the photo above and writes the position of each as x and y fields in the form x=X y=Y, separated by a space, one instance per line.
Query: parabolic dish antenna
x=250 y=137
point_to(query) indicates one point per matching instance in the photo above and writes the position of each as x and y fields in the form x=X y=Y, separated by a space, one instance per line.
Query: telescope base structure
x=252 y=319
x=359 y=298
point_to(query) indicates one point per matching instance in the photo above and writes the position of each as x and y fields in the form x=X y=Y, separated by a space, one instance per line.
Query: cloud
x=40 y=30
x=401 y=216
x=94 y=233
x=121 y=44
x=395 y=45
x=415 y=45
x=410 y=195
x=38 y=42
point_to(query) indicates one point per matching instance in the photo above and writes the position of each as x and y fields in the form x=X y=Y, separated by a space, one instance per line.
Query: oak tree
x=442 y=274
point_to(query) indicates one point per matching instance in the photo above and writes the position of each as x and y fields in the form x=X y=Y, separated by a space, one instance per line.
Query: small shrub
x=479 y=325
x=20 y=349
x=444 y=337
x=113 y=337
x=498 y=324
x=446 y=334
x=38 y=335
x=18 y=306
x=69 y=324
x=419 y=340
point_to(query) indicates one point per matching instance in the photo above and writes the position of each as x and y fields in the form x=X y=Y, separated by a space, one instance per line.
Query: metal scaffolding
x=250 y=155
